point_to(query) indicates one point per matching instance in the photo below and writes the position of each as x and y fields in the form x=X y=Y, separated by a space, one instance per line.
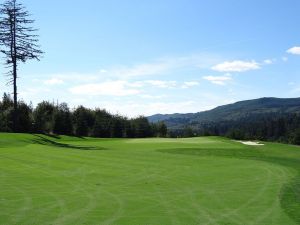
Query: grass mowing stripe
x=207 y=180
x=290 y=192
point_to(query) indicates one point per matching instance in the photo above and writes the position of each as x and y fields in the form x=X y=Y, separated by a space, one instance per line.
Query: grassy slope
x=65 y=180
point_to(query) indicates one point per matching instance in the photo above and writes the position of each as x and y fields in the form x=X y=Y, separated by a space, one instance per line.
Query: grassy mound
x=69 y=180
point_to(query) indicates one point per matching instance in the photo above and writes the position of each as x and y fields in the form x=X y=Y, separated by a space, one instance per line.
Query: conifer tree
x=18 y=43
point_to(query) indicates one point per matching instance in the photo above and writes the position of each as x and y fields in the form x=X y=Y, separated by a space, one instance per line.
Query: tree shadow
x=56 y=136
x=53 y=136
x=45 y=141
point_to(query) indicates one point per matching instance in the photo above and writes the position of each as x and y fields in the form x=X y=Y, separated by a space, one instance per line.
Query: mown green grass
x=66 y=180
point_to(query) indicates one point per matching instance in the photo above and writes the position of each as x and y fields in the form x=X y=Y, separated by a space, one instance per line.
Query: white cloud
x=164 y=84
x=236 y=66
x=136 y=84
x=146 y=96
x=269 y=61
x=189 y=84
x=169 y=107
x=158 y=67
x=219 y=80
x=125 y=88
x=161 y=83
x=133 y=108
x=109 y=88
x=162 y=66
x=294 y=50
x=141 y=70
x=71 y=77
x=53 y=81
x=29 y=93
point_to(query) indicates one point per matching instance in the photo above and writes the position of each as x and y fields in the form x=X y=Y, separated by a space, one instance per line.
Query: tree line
x=51 y=118
x=279 y=127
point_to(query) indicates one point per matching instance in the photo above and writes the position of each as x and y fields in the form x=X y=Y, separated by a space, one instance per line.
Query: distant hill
x=232 y=112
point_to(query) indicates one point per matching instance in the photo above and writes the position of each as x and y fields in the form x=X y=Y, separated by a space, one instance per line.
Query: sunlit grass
x=211 y=180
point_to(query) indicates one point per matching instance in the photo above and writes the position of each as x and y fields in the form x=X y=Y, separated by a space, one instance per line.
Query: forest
x=278 y=127
x=55 y=118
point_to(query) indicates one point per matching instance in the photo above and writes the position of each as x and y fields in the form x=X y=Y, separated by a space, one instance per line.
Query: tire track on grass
x=254 y=199
x=78 y=213
x=167 y=207
x=119 y=211
x=281 y=175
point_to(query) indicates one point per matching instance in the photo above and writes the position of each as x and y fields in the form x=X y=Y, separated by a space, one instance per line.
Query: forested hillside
x=265 y=119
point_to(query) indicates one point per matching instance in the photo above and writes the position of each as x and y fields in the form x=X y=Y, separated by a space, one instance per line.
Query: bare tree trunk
x=15 y=76
x=15 y=114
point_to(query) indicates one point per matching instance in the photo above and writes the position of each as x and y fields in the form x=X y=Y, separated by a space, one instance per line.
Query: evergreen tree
x=117 y=128
x=129 y=129
x=83 y=120
x=6 y=113
x=142 y=127
x=296 y=137
x=62 y=121
x=18 y=41
x=102 y=124
x=43 y=117
x=162 y=129
x=25 y=118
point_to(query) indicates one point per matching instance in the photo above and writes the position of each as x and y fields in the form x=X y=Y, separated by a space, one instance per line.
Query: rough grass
x=68 y=180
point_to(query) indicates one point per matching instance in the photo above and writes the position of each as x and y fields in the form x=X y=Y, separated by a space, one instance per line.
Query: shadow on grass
x=53 y=136
x=45 y=141
x=59 y=137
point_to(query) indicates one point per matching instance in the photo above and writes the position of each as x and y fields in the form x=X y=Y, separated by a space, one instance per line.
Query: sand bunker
x=252 y=143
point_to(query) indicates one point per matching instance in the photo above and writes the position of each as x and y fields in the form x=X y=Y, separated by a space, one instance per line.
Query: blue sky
x=162 y=56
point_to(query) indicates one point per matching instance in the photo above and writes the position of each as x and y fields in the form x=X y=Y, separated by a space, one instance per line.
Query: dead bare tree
x=18 y=43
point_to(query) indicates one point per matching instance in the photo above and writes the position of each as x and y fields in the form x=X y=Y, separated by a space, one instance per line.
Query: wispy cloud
x=294 y=50
x=141 y=70
x=189 y=84
x=125 y=88
x=109 y=88
x=236 y=66
x=153 y=106
x=53 y=81
x=218 y=80
x=161 y=83
x=147 y=96
x=67 y=78
x=162 y=66
x=269 y=61
x=29 y=93
x=149 y=108
x=155 y=68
